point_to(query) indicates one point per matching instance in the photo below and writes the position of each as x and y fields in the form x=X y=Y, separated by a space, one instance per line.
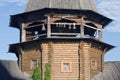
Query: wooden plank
x=33 y=26
x=67 y=23
x=65 y=34
x=90 y=27
x=36 y=35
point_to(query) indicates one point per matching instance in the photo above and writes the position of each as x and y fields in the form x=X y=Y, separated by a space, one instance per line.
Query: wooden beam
x=50 y=57
x=41 y=49
x=81 y=46
x=48 y=27
x=91 y=27
x=79 y=66
x=77 y=24
x=65 y=34
x=96 y=24
x=100 y=35
x=23 y=33
x=67 y=23
x=82 y=28
x=34 y=36
x=33 y=26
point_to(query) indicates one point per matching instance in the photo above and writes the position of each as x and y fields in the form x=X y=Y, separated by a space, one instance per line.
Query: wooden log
x=82 y=28
x=48 y=27
x=23 y=33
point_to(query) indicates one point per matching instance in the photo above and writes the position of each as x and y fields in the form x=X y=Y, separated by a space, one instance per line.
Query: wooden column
x=42 y=61
x=50 y=58
x=86 y=62
x=100 y=32
x=82 y=28
x=48 y=27
x=81 y=59
x=100 y=35
x=103 y=58
x=20 y=52
x=23 y=33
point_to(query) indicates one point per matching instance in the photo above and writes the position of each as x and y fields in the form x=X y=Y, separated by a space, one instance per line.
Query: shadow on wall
x=10 y=71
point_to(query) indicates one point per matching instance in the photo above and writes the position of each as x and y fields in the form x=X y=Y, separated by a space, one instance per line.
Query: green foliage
x=78 y=78
x=37 y=73
x=47 y=72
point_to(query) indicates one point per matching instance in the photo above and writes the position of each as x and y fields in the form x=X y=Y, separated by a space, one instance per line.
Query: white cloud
x=18 y=2
x=111 y=9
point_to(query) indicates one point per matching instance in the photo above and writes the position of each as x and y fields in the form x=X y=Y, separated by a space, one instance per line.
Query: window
x=65 y=66
x=94 y=64
x=33 y=64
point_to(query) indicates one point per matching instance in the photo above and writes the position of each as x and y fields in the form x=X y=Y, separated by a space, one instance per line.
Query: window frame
x=94 y=64
x=62 y=66
x=32 y=66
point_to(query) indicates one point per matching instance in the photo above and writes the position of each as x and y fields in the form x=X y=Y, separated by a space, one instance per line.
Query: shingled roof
x=9 y=70
x=61 y=4
x=111 y=72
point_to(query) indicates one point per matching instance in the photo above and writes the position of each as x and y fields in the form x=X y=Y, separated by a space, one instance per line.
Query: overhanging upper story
x=59 y=23
x=14 y=48
x=59 y=19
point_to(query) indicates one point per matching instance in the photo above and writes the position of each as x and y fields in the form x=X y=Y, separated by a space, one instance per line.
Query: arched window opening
x=65 y=28
x=90 y=31
x=36 y=30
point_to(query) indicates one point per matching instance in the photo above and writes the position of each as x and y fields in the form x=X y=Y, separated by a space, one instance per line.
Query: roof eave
x=104 y=21
x=13 y=47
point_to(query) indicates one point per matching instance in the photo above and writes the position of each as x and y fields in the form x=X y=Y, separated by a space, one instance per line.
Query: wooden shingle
x=61 y=4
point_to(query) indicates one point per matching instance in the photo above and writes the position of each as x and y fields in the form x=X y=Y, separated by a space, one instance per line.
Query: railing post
x=100 y=35
x=23 y=33
x=82 y=28
x=48 y=27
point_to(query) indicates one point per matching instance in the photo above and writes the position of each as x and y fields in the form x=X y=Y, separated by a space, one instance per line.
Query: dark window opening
x=65 y=28
x=33 y=64
x=64 y=21
x=36 y=30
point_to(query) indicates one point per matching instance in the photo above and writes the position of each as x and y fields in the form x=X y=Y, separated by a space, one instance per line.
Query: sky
x=9 y=35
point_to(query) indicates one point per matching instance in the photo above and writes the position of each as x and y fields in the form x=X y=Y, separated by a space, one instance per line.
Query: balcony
x=62 y=30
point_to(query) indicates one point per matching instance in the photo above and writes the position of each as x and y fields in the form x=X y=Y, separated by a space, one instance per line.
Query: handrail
x=65 y=33
x=36 y=36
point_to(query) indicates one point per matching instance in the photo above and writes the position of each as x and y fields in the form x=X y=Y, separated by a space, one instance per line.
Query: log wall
x=84 y=58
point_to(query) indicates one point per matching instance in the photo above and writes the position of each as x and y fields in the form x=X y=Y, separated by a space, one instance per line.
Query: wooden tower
x=65 y=34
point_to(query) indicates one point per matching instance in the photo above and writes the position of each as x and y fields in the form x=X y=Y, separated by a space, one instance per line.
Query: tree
x=47 y=72
x=37 y=73
x=78 y=78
